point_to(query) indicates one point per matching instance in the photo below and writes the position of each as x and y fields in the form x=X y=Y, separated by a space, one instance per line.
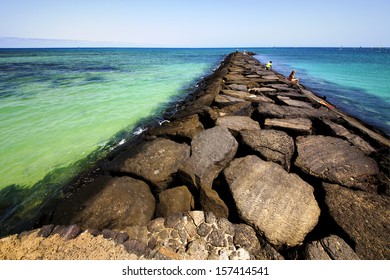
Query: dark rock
x=278 y=204
x=297 y=126
x=245 y=237
x=174 y=200
x=71 y=232
x=136 y=247
x=239 y=109
x=315 y=251
x=175 y=220
x=121 y=237
x=109 y=234
x=93 y=232
x=45 y=231
x=356 y=140
x=272 y=145
x=123 y=201
x=58 y=229
x=335 y=160
x=211 y=202
x=212 y=150
x=155 y=161
x=364 y=217
x=185 y=128
x=235 y=124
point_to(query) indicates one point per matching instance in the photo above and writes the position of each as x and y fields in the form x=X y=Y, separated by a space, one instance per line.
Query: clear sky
x=194 y=23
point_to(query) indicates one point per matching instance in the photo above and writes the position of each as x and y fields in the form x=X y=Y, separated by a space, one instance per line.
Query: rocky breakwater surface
x=252 y=167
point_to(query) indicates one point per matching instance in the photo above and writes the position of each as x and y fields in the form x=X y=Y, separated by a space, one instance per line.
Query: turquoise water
x=63 y=109
x=356 y=80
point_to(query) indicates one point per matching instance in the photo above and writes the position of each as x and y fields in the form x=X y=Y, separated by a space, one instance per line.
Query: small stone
x=71 y=232
x=45 y=231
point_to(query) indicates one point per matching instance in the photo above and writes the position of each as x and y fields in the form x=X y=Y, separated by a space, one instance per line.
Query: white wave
x=139 y=130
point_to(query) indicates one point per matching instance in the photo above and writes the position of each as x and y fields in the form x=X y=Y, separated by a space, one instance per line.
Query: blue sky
x=194 y=23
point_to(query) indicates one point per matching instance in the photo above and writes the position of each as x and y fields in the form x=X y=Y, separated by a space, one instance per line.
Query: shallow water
x=63 y=109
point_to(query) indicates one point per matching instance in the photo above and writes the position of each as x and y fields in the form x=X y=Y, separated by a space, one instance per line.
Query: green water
x=63 y=109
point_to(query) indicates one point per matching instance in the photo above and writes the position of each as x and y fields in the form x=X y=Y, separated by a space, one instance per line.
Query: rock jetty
x=249 y=167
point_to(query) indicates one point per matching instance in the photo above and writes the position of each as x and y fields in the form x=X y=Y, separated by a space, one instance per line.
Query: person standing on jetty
x=268 y=66
x=292 y=78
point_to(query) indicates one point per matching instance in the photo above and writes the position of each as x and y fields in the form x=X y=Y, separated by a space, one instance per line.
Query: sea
x=61 y=110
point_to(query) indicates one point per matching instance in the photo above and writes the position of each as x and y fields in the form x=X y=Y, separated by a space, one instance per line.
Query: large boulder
x=235 y=124
x=156 y=161
x=118 y=203
x=173 y=201
x=272 y=145
x=180 y=129
x=335 y=160
x=364 y=217
x=278 y=204
x=212 y=150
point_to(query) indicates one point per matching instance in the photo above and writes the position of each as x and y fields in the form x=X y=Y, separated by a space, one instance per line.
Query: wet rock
x=297 y=126
x=356 y=140
x=185 y=128
x=130 y=203
x=269 y=110
x=174 y=200
x=335 y=160
x=212 y=150
x=235 y=124
x=211 y=202
x=278 y=204
x=155 y=161
x=272 y=145
x=364 y=217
